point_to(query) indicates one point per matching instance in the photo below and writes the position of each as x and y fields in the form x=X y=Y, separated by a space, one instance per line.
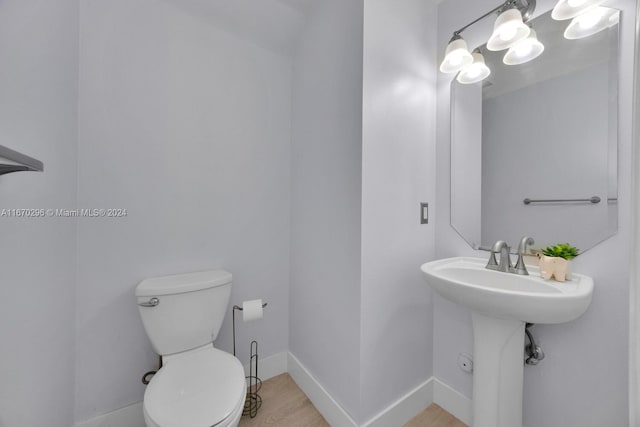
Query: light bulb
x=590 y=19
x=507 y=32
x=575 y=3
x=592 y=22
x=475 y=72
x=523 y=48
x=455 y=59
x=524 y=51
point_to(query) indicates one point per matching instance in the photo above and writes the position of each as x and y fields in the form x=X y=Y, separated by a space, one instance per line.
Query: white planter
x=555 y=267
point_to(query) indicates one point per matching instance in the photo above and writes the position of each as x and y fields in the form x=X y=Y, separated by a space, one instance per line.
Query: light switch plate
x=424 y=213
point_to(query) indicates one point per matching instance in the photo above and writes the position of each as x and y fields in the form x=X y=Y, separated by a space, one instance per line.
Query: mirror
x=534 y=147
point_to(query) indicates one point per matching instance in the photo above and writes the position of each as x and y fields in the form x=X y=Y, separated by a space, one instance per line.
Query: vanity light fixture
x=591 y=22
x=456 y=56
x=524 y=51
x=13 y=161
x=509 y=28
x=567 y=9
x=476 y=71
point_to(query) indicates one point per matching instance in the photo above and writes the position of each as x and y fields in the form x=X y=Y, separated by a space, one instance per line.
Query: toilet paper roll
x=252 y=310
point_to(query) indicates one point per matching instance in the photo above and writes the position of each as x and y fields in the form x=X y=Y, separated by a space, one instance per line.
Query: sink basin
x=501 y=304
x=531 y=299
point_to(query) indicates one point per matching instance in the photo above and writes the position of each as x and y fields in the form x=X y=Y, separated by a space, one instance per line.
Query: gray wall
x=326 y=198
x=38 y=116
x=583 y=381
x=188 y=128
x=398 y=172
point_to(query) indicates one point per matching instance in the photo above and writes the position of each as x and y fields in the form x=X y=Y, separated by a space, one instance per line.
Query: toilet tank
x=183 y=311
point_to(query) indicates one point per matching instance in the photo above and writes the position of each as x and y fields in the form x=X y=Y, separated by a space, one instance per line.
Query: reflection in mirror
x=545 y=131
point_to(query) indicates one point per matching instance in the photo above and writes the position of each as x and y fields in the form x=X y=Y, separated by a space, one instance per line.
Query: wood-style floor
x=434 y=416
x=285 y=405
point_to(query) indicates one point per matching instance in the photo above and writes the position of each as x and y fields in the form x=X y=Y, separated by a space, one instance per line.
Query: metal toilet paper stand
x=253 y=400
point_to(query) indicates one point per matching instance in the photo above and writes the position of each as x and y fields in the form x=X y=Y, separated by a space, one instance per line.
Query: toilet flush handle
x=151 y=303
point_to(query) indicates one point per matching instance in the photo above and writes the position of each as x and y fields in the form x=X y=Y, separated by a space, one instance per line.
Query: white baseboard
x=270 y=366
x=405 y=408
x=331 y=410
x=129 y=416
x=132 y=416
x=452 y=401
x=396 y=414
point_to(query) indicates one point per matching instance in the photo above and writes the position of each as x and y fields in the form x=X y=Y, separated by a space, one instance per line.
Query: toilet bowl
x=198 y=385
x=203 y=387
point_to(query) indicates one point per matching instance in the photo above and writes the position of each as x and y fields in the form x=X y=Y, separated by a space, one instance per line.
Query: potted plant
x=554 y=261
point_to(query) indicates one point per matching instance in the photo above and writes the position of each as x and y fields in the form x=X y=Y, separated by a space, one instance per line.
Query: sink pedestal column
x=498 y=371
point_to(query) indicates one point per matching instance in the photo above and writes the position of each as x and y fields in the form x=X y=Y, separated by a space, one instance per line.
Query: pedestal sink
x=501 y=304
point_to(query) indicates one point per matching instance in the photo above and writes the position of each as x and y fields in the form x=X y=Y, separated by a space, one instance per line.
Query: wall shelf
x=12 y=161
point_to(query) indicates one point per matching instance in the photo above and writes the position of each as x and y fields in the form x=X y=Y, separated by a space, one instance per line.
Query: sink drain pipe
x=534 y=353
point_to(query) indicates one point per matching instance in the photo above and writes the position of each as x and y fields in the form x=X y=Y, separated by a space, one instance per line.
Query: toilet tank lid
x=181 y=283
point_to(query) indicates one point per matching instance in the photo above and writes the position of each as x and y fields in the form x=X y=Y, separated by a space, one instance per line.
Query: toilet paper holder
x=236 y=307
x=253 y=401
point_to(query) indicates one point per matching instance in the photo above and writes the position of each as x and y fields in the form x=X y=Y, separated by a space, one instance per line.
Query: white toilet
x=198 y=385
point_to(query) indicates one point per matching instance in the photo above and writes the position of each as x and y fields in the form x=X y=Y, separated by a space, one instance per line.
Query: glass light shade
x=507 y=30
x=591 y=22
x=456 y=56
x=475 y=72
x=567 y=9
x=524 y=51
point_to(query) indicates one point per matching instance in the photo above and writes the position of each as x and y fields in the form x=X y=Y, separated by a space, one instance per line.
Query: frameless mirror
x=534 y=147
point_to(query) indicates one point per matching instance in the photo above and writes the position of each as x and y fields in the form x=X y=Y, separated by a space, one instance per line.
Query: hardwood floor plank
x=434 y=416
x=285 y=405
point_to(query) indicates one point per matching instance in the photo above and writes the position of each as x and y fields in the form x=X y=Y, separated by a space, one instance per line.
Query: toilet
x=198 y=385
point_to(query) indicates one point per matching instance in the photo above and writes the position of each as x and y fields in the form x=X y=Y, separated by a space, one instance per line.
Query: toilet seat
x=199 y=388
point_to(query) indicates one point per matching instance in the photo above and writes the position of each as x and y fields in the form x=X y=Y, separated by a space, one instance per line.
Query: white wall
x=398 y=172
x=38 y=105
x=188 y=128
x=583 y=380
x=326 y=199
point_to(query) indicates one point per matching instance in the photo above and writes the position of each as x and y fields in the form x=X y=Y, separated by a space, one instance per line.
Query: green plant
x=561 y=250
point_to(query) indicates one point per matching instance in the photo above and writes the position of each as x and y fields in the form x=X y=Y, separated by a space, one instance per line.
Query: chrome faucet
x=520 y=267
x=503 y=249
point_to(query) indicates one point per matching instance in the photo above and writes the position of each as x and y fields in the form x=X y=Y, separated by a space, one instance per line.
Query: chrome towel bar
x=594 y=200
